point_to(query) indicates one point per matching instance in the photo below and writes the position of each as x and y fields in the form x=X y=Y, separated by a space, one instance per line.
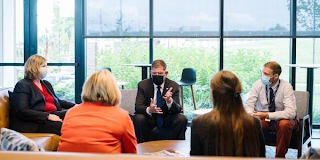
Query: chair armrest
x=305 y=129
x=133 y=116
x=305 y=117
x=302 y=120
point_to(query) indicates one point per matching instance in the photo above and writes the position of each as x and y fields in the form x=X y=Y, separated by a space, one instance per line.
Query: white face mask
x=265 y=80
x=44 y=72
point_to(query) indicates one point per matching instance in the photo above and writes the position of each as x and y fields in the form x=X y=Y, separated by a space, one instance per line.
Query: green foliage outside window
x=66 y=92
x=246 y=63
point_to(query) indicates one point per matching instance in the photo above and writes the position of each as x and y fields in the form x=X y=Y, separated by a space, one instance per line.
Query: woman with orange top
x=98 y=125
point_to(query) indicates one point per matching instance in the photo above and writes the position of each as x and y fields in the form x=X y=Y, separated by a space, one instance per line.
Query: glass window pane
x=186 y=18
x=113 y=53
x=11 y=37
x=56 y=30
x=10 y=75
x=116 y=18
x=246 y=57
x=256 y=18
x=308 y=17
x=201 y=54
x=62 y=80
x=308 y=52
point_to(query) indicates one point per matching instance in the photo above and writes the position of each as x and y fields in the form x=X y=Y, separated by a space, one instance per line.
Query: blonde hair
x=101 y=87
x=32 y=66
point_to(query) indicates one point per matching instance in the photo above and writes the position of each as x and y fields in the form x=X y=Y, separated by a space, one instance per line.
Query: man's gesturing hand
x=154 y=109
x=168 y=96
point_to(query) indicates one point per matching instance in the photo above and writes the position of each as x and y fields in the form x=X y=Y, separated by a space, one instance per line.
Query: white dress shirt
x=155 y=96
x=284 y=100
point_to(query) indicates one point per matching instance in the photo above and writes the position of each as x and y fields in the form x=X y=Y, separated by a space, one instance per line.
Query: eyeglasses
x=158 y=73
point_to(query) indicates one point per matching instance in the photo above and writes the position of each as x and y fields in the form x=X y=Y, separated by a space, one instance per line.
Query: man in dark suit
x=158 y=105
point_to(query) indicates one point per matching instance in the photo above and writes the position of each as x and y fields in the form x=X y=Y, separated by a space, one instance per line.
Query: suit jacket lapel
x=165 y=87
x=50 y=92
x=47 y=88
x=35 y=89
x=164 y=91
x=149 y=92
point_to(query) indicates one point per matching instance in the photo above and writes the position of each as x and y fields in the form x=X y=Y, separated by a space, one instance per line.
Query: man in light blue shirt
x=272 y=101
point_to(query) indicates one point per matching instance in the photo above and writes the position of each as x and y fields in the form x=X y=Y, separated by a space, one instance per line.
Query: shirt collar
x=275 y=85
x=156 y=86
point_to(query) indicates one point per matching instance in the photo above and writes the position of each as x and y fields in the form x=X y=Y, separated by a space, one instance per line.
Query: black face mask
x=158 y=80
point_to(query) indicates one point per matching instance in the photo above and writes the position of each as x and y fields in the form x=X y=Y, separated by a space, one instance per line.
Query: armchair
x=128 y=100
x=302 y=135
x=48 y=141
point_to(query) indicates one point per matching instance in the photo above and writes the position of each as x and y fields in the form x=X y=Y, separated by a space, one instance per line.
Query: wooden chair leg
x=181 y=97
x=194 y=101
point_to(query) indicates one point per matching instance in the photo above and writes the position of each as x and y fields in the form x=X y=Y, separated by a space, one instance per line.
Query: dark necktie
x=272 y=108
x=159 y=104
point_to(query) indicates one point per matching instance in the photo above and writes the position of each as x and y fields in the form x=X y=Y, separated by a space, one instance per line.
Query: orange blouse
x=95 y=127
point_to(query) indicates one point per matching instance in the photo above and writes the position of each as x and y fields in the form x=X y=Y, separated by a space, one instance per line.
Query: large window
x=11 y=41
x=246 y=57
x=184 y=33
x=308 y=17
x=188 y=34
x=114 y=53
x=308 y=52
x=116 y=18
x=201 y=54
x=186 y=18
x=9 y=80
x=56 y=42
x=56 y=30
x=256 y=18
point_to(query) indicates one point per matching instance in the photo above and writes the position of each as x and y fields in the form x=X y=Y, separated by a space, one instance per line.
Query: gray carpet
x=271 y=152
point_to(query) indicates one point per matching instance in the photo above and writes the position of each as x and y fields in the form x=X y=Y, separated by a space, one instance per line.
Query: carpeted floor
x=271 y=152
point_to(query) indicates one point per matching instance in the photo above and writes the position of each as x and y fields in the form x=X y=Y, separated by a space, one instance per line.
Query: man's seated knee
x=140 y=118
x=180 y=118
x=284 y=124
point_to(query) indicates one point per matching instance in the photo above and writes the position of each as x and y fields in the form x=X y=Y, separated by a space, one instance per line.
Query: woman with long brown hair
x=228 y=130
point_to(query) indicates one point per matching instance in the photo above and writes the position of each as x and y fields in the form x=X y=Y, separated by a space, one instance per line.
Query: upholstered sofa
x=48 y=141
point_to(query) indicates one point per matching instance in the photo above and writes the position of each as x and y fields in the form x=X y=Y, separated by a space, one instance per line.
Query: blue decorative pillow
x=15 y=141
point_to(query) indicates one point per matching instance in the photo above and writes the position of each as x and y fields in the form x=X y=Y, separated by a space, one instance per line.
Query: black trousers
x=52 y=126
x=145 y=125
